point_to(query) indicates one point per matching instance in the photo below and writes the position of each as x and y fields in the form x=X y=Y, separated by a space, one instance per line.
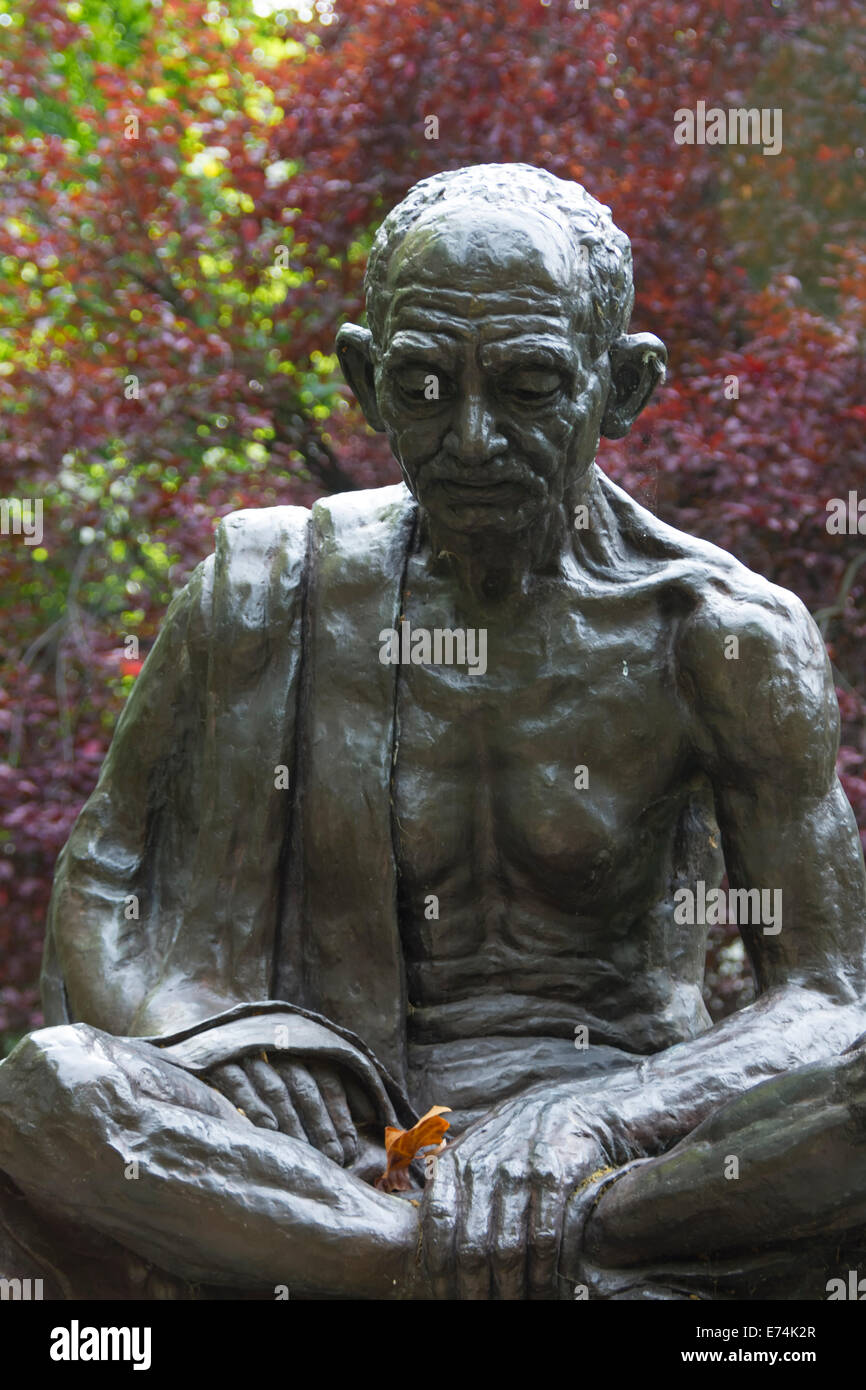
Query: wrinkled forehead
x=473 y=259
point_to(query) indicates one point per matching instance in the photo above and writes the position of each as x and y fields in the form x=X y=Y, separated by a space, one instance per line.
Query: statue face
x=485 y=381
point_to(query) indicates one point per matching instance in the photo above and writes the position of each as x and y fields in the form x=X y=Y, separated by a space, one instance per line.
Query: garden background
x=187 y=195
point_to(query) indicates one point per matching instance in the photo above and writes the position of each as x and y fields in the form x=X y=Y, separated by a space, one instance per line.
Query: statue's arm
x=765 y=730
x=165 y=896
x=767 y=734
x=106 y=933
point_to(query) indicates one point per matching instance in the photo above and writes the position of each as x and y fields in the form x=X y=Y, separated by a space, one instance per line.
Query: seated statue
x=425 y=796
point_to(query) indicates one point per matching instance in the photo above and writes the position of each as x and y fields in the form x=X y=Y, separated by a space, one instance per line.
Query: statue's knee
x=54 y=1065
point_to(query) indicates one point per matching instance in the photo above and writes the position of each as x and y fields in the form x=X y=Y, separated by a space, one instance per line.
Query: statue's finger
x=361 y=1105
x=473 y=1240
x=311 y=1108
x=439 y=1211
x=232 y=1080
x=269 y=1085
x=328 y=1080
x=544 y=1235
x=510 y=1221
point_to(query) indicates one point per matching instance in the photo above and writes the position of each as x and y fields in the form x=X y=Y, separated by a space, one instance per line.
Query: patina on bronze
x=335 y=872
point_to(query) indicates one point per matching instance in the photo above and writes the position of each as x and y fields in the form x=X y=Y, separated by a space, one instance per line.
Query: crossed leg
x=766 y=1199
x=107 y=1133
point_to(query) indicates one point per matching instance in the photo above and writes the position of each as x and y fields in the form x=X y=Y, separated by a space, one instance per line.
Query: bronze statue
x=425 y=797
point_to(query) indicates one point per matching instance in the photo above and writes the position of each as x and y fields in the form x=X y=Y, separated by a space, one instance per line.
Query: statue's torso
x=554 y=900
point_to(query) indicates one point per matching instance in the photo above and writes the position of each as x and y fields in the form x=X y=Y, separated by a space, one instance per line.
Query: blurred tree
x=189 y=193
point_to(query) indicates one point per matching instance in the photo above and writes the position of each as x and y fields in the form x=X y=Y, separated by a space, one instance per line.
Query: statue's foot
x=589 y=1269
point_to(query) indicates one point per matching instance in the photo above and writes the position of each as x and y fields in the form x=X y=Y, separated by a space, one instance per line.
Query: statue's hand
x=492 y=1216
x=305 y=1100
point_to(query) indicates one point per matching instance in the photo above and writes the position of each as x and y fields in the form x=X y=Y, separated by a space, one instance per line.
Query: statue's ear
x=637 y=365
x=354 y=349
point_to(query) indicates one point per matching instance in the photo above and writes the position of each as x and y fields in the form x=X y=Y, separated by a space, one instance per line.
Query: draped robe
x=234 y=867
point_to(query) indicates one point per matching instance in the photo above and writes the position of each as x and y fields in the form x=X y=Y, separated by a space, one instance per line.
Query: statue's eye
x=533 y=386
x=421 y=383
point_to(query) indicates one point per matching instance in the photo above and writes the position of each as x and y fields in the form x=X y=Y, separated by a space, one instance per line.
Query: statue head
x=497 y=352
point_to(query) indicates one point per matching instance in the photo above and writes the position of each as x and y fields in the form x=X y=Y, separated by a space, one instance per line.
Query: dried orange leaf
x=401 y=1146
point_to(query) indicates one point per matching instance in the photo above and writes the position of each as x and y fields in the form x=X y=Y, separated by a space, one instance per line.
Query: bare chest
x=549 y=758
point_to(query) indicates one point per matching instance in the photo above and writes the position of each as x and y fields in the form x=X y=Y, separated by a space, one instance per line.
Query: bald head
x=501 y=219
x=476 y=251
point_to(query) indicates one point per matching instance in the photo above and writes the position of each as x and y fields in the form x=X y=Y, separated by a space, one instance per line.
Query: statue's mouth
x=483 y=494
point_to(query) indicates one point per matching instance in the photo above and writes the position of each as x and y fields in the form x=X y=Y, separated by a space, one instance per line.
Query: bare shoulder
x=755 y=669
x=748 y=657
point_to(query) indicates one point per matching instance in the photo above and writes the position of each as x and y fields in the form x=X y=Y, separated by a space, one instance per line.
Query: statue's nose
x=473 y=436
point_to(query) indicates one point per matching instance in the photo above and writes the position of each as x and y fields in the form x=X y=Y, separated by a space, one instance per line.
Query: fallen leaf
x=401 y=1146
